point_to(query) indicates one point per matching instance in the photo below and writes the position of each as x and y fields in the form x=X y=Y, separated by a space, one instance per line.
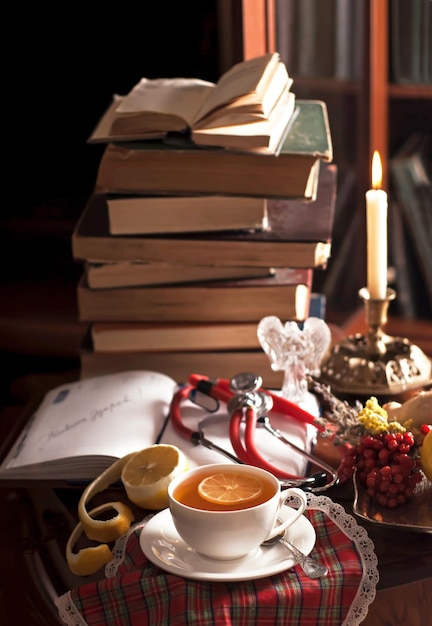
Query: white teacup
x=230 y=534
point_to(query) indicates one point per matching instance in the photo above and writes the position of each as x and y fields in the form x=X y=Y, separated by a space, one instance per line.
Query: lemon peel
x=149 y=489
x=87 y=560
x=111 y=529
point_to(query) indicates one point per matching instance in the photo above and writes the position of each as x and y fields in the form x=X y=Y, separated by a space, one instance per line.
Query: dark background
x=63 y=65
x=67 y=64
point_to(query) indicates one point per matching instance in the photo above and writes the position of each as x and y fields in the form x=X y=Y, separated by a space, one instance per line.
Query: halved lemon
x=147 y=474
x=229 y=488
x=426 y=455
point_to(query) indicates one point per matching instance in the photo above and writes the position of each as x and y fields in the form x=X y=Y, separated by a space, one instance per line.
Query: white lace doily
x=367 y=588
x=365 y=593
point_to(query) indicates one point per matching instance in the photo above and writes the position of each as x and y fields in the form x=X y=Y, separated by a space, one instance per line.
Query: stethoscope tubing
x=221 y=390
x=246 y=452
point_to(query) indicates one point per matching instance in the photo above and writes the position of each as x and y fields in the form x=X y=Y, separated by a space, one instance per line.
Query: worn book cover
x=171 y=336
x=299 y=235
x=285 y=294
x=182 y=214
x=134 y=273
x=183 y=336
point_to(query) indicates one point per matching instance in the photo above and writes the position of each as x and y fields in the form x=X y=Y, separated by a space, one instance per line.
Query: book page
x=103 y=132
x=264 y=135
x=244 y=124
x=175 y=96
x=109 y=415
x=242 y=79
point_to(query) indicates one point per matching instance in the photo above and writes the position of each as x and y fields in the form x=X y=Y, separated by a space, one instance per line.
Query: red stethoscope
x=249 y=404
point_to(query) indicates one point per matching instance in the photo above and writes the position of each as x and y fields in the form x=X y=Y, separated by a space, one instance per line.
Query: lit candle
x=376 y=207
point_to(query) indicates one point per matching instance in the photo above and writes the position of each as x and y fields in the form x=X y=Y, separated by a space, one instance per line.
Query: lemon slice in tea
x=229 y=488
x=148 y=473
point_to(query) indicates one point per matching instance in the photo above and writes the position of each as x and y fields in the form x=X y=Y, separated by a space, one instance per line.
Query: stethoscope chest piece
x=246 y=395
x=245 y=382
x=259 y=401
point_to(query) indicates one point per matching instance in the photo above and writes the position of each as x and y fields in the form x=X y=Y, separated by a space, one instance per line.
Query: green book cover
x=310 y=131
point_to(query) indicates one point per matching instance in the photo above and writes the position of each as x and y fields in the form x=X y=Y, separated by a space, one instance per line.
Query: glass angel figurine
x=296 y=351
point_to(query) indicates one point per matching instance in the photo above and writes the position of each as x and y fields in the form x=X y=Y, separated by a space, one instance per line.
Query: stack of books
x=185 y=248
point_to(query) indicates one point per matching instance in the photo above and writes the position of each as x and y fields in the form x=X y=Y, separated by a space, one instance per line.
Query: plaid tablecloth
x=137 y=593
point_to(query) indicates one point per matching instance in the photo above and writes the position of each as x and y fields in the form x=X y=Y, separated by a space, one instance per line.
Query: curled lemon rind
x=88 y=560
x=105 y=530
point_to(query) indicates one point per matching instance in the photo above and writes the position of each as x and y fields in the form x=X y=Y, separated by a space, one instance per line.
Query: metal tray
x=416 y=515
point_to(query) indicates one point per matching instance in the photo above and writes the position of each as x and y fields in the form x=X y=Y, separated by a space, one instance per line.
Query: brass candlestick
x=375 y=364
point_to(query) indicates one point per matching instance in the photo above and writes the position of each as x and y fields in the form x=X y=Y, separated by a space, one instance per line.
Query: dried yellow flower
x=374 y=419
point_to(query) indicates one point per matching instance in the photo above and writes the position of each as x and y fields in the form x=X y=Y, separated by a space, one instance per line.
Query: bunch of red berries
x=385 y=456
x=387 y=468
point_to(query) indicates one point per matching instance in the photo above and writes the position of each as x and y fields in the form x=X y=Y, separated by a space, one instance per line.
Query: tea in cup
x=225 y=511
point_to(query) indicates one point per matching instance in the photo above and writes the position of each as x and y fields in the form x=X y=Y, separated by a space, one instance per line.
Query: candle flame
x=376 y=170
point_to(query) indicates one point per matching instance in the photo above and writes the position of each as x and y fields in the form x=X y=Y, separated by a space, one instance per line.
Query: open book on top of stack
x=161 y=167
x=249 y=108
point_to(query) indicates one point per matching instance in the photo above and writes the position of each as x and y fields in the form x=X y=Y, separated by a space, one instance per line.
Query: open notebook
x=81 y=428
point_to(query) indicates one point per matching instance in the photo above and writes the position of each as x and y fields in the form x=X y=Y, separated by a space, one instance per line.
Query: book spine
x=325 y=38
x=426 y=45
x=343 y=35
x=401 y=263
x=412 y=184
x=210 y=305
x=358 y=27
x=406 y=36
x=307 y=38
x=179 y=365
x=287 y=33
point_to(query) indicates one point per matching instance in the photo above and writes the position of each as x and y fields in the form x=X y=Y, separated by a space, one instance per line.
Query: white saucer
x=163 y=546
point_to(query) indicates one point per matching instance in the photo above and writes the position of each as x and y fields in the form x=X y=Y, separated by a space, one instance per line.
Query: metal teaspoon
x=310 y=566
